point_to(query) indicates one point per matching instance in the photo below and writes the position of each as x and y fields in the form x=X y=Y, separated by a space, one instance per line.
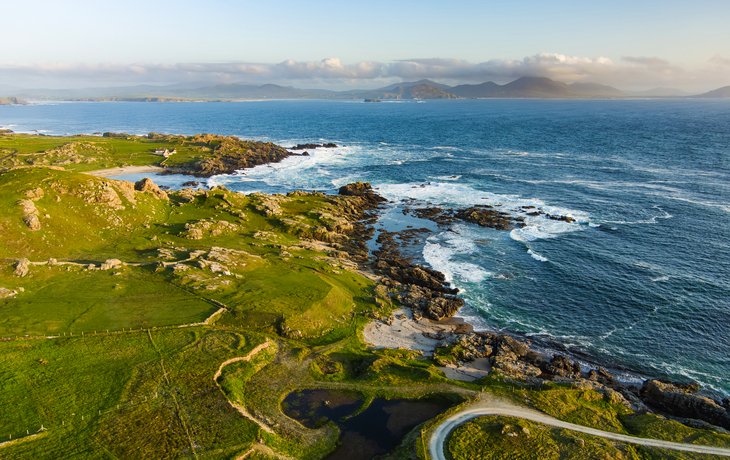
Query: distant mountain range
x=723 y=92
x=524 y=87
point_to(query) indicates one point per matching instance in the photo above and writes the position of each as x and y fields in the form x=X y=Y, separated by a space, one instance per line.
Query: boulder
x=32 y=221
x=356 y=189
x=679 y=400
x=147 y=186
x=34 y=194
x=442 y=307
x=601 y=375
x=22 y=268
x=508 y=346
x=561 y=366
x=111 y=263
x=6 y=293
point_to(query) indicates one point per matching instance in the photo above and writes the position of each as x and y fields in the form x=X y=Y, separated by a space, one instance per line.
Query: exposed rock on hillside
x=268 y=204
x=7 y=293
x=30 y=215
x=147 y=186
x=34 y=194
x=196 y=230
x=22 y=268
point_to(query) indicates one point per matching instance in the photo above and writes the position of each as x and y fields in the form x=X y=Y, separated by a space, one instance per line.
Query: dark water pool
x=375 y=431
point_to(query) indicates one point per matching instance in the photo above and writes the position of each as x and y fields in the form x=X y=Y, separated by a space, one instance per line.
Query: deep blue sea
x=641 y=280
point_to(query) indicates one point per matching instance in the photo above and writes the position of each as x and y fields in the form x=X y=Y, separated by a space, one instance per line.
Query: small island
x=372 y=100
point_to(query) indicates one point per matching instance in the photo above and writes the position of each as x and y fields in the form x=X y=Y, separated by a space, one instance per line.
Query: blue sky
x=628 y=44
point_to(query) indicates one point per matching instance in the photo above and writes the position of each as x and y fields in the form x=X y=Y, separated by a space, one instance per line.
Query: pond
x=375 y=431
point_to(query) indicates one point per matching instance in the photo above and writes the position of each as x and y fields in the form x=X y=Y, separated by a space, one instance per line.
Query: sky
x=340 y=45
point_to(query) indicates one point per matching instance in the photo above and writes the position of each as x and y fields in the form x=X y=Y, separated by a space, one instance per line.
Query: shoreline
x=122 y=171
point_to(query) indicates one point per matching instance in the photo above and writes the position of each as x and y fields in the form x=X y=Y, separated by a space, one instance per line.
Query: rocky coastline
x=430 y=302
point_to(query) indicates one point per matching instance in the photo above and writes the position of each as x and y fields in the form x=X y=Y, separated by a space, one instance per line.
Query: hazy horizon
x=328 y=45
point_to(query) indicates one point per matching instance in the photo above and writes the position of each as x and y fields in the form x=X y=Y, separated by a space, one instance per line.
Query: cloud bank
x=629 y=72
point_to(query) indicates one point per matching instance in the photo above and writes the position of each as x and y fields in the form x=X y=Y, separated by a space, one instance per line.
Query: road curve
x=438 y=437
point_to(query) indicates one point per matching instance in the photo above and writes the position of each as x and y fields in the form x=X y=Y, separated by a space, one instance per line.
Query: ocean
x=640 y=282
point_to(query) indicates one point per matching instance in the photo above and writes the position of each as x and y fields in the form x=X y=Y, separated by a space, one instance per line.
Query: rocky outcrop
x=313 y=146
x=111 y=263
x=601 y=375
x=487 y=216
x=231 y=154
x=680 y=400
x=30 y=215
x=506 y=354
x=356 y=189
x=431 y=304
x=268 y=204
x=22 y=267
x=108 y=196
x=196 y=230
x=6 y=293
x=34 y=194
x=560 y=366
x=147 y=186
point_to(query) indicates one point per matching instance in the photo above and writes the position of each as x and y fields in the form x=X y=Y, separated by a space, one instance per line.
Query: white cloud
x=629 y=72
x=719 y=60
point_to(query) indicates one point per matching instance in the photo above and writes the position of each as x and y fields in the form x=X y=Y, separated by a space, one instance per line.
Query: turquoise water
x=640 y=281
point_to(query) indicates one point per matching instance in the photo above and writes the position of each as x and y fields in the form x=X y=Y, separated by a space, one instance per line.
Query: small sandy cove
x=125 y=170
x=423 y=335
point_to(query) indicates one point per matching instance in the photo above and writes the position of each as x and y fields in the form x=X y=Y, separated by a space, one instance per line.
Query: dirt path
x=496 y=407
x=239 y=407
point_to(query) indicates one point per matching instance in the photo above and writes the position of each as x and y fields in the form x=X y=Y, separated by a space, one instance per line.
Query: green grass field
x=499 y=437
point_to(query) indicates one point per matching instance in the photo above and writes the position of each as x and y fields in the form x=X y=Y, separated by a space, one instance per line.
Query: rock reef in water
x=680 y=400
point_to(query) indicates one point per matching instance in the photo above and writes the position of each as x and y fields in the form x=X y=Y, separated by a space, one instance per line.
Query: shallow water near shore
x=639 y=280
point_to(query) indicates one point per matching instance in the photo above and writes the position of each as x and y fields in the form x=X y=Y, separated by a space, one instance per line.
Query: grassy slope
x=274 y=283
x=488 y=438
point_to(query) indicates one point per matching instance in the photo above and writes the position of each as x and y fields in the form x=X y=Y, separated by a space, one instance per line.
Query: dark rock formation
x=146 y=185
x=679 y=400
x=487 y=216
x=231 y=154
x=561 y=366
x=313 y=146
x=600 y=375
x=108 y=134
x=429 y=303
x=356 y=189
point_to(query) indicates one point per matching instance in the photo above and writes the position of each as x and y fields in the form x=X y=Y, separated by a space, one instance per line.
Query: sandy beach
x=125 y=170
x=423 y=335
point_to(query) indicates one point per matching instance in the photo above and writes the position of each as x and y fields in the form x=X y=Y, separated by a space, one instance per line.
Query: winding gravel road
x=493 y=407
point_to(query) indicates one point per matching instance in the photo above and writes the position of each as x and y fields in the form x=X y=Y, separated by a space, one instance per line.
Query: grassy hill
x=12 y=101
